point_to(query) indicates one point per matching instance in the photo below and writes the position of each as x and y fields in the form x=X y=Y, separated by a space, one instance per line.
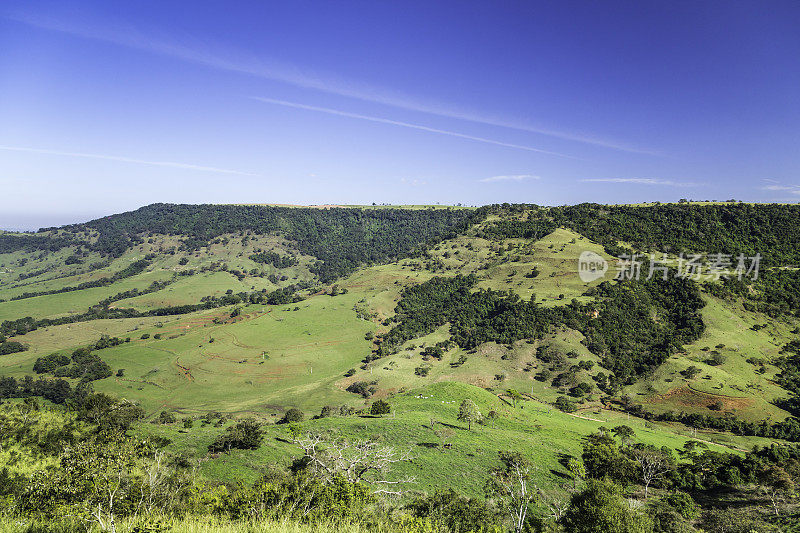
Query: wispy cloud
x=511 y=177
x=170 y=164
x=219 y=57
x=775 y=185
x=420 y=127
x=642 y=181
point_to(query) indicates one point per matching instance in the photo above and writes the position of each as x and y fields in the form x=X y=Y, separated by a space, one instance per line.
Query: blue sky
x=107 y=106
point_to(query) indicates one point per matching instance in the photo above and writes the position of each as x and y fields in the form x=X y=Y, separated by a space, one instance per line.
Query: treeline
x=474 y=317
x=280 y=296
x=789 y=376
x=137 y=267
x=770 y=230
x=10 y=243
x=633 y=326
x=776 y=292
x=274 y=259
x=788 y=429
x=696 y=474
x=342 y=239
x=640 y=323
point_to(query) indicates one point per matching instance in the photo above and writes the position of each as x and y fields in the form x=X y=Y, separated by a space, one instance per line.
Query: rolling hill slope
x=254 y=310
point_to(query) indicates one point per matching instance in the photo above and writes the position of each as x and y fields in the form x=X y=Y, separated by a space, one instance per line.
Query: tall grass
x=188 y=524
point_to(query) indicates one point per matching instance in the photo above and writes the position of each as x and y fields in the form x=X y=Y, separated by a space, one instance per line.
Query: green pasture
x=735 y=383
x=423 y=420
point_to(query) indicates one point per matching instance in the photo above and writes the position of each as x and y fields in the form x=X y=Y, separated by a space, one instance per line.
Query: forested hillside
x=341 y=238
x=730 y=228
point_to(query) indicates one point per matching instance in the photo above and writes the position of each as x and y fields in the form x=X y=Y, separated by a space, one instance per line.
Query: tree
x=563 y=403
x=360 y=461
x=602 y=507
x=653 y=464
x=245 y=435
x=602 y=458
x=624 y=433
x=510 y=485
x=468 y=412
x=444 y=434
x=515 y=396
x=380 y=407
x=776 y=484
x=577 y=469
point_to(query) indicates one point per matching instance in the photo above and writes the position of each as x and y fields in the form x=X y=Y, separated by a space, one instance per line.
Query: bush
x=292 y=415
x=245 y=435
x=166 y=417
x=564 y=404
x=380 y=407
x=364 y=388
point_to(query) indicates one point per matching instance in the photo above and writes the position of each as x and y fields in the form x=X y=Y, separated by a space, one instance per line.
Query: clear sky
x=107 y=106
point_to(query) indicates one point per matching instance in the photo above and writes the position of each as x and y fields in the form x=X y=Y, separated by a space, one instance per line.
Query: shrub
x=166 y=417
x=292 y=415
x=364 y=388
x=245 y=435
x=564 y=404
x=379 y=407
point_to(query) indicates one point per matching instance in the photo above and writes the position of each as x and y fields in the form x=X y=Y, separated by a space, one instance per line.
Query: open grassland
x=75 y=302
x=268 y=358
x=424 y=420
x=230 y=252
x=738 y=385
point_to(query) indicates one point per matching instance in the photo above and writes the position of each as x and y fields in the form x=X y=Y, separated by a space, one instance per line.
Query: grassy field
x=424 y=419
x=735 y=383
x=270 y=359
x=232 y=251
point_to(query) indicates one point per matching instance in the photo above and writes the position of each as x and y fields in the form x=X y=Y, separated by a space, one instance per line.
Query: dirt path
x=184 y=370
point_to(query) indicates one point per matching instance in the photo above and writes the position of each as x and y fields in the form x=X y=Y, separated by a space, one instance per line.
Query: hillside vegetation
x=232 y=349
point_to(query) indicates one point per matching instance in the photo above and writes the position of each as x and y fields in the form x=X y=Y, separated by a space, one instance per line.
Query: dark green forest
x=341 y=238
x=633 y=326
x=733 y=228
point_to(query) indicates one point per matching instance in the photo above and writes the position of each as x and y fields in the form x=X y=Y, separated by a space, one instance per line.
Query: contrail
x=641 y=181
x=169 y=164
x=405 y=125
x=233 y=60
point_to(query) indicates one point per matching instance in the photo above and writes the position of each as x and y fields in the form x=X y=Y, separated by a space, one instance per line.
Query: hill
x=206 y=315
